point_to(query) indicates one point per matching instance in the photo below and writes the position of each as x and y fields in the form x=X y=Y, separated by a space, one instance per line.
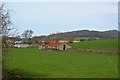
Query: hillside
x=82 y=33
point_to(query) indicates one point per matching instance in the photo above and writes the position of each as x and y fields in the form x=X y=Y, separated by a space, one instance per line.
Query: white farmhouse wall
x=21 y=45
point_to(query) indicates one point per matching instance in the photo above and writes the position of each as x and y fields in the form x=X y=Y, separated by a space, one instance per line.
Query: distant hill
x=82 y=34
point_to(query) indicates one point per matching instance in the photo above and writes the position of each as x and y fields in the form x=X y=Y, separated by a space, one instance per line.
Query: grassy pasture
x=33 y=62
x=101 y=44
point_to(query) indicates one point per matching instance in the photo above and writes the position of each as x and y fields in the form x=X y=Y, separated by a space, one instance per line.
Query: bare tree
x=27 y=35
x=5 y=24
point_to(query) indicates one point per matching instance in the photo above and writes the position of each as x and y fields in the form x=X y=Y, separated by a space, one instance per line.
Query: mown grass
x=32 y=62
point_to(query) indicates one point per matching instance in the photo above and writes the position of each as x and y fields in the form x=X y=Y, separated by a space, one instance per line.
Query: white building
x=57 y=46
x=20 y=44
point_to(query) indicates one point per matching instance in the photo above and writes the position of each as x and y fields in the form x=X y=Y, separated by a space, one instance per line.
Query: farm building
x=20 y=44
x=57 y=46
x=63 y=41
x=75 y=41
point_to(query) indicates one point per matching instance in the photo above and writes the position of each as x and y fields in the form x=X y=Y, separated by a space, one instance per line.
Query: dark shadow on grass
x=18 y=74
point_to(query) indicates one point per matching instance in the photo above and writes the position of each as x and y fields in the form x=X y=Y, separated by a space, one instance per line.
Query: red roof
x=54 y=44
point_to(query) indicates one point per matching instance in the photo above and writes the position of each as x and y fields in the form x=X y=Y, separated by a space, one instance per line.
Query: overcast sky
x=52 y=17
x=60 y=0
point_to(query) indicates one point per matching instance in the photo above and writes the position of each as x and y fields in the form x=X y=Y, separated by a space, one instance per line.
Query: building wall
x=65 y=41
x=21 y=45
x=60 y=47
x=76 y=41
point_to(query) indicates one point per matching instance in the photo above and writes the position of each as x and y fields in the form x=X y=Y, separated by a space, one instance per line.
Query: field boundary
x=99 y=51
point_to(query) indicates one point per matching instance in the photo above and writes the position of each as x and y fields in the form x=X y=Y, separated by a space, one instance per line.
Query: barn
x=57 y=46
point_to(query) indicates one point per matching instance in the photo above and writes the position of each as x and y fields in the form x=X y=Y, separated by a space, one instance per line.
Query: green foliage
x=82 y=39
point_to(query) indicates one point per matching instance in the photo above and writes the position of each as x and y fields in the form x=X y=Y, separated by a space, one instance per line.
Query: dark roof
x=18 y=42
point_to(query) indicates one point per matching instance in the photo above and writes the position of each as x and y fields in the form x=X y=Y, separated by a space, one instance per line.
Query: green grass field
x=101 y=44
x=32 y=62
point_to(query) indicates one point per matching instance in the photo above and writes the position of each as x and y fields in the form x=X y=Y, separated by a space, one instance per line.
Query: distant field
x=101 y=44
x=33 y=62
